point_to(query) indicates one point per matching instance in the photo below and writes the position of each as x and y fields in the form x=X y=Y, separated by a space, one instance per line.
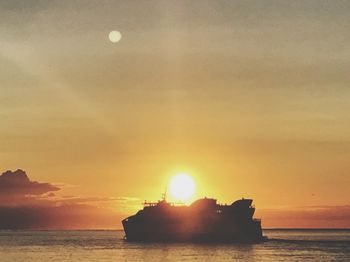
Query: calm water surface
x=284 y=245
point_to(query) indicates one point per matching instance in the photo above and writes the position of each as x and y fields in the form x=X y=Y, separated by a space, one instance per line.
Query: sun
x=182 y=188
x=114 y=36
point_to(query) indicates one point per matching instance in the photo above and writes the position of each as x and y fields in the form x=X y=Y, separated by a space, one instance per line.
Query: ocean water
x=284 y=245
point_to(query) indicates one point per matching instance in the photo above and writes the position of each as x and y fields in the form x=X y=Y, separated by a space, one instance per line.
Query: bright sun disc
x=182 y=187
x=114 y=36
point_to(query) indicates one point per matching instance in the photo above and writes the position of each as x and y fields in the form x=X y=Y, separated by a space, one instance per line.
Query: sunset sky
x=250 y=98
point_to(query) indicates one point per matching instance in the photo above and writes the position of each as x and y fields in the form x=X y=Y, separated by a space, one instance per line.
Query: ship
x=203 y=221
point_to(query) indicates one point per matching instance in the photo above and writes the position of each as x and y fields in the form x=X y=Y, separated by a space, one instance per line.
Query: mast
x=164 y=195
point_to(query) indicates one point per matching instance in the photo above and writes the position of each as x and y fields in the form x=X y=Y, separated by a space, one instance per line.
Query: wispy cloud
x=307 y=217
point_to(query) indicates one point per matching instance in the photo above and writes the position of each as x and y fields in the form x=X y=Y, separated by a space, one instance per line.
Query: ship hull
x=221 y=232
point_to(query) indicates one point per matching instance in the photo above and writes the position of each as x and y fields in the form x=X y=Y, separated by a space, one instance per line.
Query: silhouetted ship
x=203 y=221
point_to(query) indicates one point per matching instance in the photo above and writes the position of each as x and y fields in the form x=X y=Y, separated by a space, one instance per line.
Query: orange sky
x=250 y=98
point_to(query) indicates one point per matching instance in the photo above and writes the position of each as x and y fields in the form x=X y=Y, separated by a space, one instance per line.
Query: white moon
x=115 y=36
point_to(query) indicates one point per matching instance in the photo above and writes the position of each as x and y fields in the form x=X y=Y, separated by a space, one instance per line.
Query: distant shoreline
x=306 y=228
x=285 y=229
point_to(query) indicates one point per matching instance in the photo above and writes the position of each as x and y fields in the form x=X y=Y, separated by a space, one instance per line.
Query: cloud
x=59 y=217
x=26 y=204
x=72 y=216
x=17 y=184
x=77 y=199
x=307 y=217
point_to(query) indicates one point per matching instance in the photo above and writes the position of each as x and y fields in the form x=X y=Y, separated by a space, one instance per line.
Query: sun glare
x=182 y=188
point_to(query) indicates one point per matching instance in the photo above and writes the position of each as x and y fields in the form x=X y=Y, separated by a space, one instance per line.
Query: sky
x=250 y=98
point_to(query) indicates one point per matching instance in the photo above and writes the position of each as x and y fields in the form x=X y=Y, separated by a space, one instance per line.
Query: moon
x=114 y=36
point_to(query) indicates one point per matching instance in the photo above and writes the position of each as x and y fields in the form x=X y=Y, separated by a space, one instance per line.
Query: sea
x=107 y=245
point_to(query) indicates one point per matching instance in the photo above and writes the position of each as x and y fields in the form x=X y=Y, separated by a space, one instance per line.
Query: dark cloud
x=26 y=204
x=17 y=184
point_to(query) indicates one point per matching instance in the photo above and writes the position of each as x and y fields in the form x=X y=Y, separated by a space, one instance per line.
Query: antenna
x=164 y=195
